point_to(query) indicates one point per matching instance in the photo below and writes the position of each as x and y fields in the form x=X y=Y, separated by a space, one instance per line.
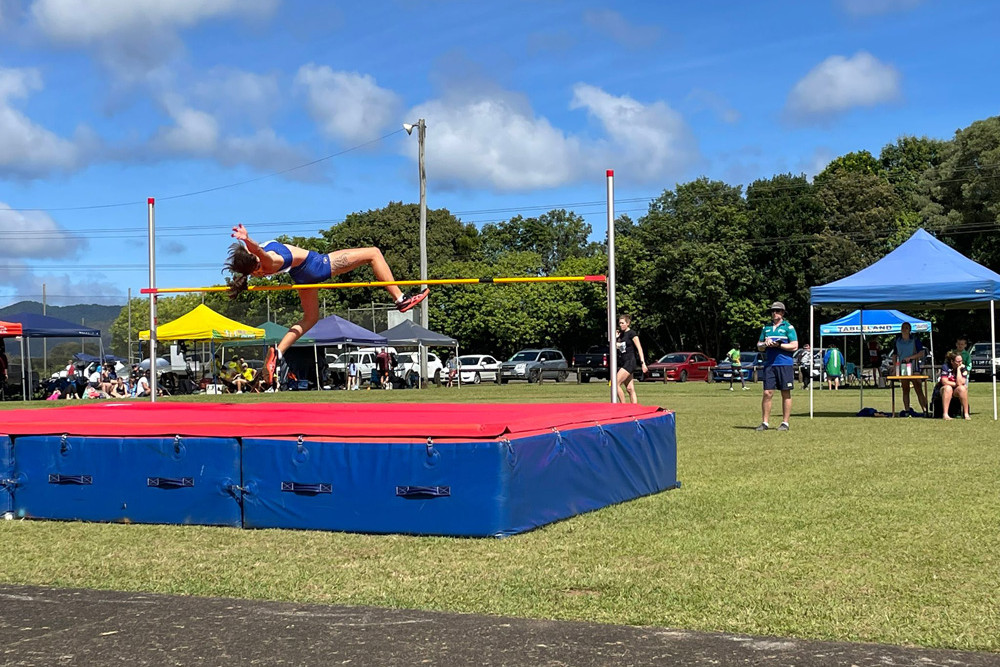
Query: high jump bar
x=383 y=283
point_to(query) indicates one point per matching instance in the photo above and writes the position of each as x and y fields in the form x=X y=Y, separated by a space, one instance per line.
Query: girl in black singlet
x=630 y=359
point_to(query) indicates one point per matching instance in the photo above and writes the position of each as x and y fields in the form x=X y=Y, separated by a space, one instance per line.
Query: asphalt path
x=45 y=626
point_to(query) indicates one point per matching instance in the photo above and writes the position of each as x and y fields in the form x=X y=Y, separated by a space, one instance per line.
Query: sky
x=286 y=115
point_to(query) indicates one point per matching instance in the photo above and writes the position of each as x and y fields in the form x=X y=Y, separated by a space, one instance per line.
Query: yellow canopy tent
x=203 y=323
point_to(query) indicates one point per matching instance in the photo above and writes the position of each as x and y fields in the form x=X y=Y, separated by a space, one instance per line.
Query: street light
x=424 y=319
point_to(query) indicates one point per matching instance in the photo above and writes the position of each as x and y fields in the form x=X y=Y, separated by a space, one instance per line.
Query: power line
x=216 y=188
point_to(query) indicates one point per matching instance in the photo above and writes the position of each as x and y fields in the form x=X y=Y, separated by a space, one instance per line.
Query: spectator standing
x=833 y=362
x=736 y=364
x=909 y=350
x=630 y=359
x=353 y=376
x=803 y=359
x=382 y=363
x=779 y=342
x=452 y=370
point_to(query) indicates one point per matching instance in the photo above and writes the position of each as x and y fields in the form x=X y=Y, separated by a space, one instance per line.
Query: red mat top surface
x=360 y=420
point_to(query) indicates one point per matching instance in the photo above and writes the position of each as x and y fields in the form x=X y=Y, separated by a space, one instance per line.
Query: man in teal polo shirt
x=778 y=341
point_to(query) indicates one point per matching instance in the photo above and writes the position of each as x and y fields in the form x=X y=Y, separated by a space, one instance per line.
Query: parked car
x=592 y=363
x=408 y=367
x=681 y=366
x=980 y=355
x=534 y=366
x=363 y=357
x=475 y=368
x=751 y=364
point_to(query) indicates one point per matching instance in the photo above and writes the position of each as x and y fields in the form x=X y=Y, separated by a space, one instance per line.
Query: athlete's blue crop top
x=283 y=252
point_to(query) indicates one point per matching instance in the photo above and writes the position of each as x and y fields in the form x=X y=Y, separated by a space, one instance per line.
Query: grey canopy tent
x=34 y=325
x=922 y=271
x=409 y=333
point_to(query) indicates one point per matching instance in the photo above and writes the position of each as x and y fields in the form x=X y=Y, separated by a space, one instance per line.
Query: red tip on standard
x=150 y=201
x=148 y=290
x=595 y=279
x=611 y=172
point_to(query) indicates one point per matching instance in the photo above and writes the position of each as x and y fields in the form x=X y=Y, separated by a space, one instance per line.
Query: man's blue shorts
x=779 y=377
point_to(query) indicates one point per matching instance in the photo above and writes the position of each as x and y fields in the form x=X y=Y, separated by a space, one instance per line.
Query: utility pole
x=45 y=341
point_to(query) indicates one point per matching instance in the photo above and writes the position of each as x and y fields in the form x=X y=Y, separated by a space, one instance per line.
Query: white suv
x=409 y=362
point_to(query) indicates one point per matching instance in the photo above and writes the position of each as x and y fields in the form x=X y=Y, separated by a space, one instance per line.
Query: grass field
x=882 y=530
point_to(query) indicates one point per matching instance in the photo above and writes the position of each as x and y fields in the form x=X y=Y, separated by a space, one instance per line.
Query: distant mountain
x=90 y=315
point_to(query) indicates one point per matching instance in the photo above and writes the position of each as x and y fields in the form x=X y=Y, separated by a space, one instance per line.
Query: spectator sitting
x=246 y=380
x=119 y=389
x=953 y=385
x=142 y=387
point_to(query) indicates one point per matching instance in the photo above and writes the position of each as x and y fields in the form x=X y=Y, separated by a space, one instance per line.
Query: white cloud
x=35 y=235
x=840 y=83
x=238 y=94
x=134 y=37
x=494 y=139
x=347 y=106
x=194 y=133
x=81 y=22
x=489 y=141
x=197 y=134
x=876 y=7
x=615 y=26
x=28 y=149
x=817 y=161
x=706 y=100
x=651 y=141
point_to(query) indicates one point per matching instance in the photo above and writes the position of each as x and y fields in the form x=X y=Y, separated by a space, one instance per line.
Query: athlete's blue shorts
x=315 y=269
x=779 y=377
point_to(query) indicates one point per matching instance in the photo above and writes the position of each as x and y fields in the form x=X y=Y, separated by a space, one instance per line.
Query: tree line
x=696 y=271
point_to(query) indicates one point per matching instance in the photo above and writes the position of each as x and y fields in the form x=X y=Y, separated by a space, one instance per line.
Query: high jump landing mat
x=424 y=469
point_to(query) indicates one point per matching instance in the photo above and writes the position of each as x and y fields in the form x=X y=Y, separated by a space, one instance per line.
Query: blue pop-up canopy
x=334 y=330
x=34 y=325
x=924 y=271
x=876 y=322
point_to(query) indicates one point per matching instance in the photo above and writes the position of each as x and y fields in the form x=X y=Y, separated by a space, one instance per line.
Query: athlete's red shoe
x=270 y=364
x=410 y=301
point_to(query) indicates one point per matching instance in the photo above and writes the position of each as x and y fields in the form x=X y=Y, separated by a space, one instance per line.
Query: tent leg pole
x=993 y=351
x=861 y=361
x=809 y=371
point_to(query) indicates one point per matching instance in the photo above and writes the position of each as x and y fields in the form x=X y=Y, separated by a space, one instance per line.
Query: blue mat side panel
x=447 y=489
x=6 y=475
x=558 y=475
x=137 y=480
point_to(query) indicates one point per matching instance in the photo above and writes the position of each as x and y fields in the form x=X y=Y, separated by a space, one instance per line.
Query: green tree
x=785 y=221
x=554 y=236
x=694 y=264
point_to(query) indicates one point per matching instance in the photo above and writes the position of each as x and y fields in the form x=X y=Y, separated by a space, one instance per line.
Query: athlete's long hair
x=241 y=263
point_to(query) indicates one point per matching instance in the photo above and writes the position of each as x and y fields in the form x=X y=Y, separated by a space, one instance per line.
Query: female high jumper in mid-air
x=306 y=267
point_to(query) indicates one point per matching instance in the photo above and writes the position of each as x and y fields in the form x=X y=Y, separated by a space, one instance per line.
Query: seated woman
x=953 y=385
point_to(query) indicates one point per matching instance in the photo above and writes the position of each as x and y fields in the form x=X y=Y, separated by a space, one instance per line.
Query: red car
x=681 y=366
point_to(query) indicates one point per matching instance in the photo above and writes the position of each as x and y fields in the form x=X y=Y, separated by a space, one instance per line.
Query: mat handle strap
x=299 y=487
x=423 y=491
x=170 y=482
x=82 y=480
